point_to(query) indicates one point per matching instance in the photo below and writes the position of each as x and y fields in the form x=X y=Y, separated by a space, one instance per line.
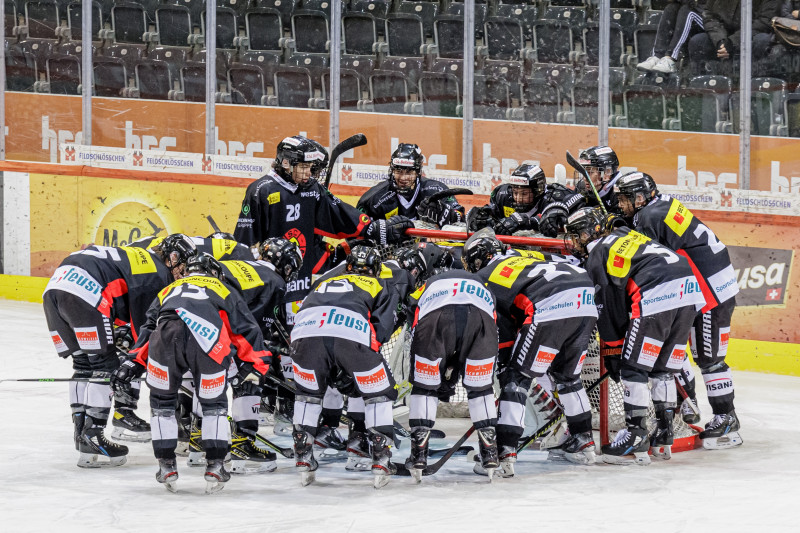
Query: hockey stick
x=286 y=452
x=359 y=139
x=213 y=224
x=432 y=469
x=542 y=431
x=577 y=166
x=61 y=380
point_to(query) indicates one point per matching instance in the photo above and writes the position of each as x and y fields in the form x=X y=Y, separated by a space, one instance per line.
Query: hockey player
x=219 y=244
x=288 y=202
x=454 y=336
x=203 y=327
x=666 y=220
x=602 y=165
x=527 y=203
x=649 y=297
x=90 y=291
x=549 y=309
x=341 y=326
x=406 y=191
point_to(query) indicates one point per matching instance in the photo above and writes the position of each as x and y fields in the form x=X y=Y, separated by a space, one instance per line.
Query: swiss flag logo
x=506 y=271
x=678 y=218
x=619 y=261
x=774 y=294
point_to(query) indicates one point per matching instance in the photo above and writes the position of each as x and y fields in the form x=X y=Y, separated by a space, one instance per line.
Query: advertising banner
x=762 y=274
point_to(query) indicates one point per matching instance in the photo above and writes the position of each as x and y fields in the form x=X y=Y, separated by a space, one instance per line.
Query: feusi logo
x=211 y=385
x=157 y=375
x=87 y=338
x=585 y=298
x=374 y=380
x=426 y=371
x=59 y=343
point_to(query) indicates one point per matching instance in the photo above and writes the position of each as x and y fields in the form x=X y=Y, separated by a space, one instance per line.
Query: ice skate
x=487 y=444
x=184 y=431
x=197 y=455
x=382 y=466
x=722 y=432
x=358 y=456
x=662 y=438
x=418 y=458
x=690 y=412
x=247 y=458
x=304 y=457
x=578 y=449
x=168 y=474
x=216 y=476
x=328 y=437
x=507 y=456
x=630 y=446
x=128 y=426
x=93 y=444
x=78 y=420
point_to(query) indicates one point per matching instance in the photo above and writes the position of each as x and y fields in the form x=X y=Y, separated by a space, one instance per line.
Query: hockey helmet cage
x=582 y=227
x=175 y=250
x=364 y=260
x=634 y=183
x=284 y=255
x=203 y=264
x=531 y=177
x=479 y=249
x=600 y=157
x=299 y=149
x=222 y=235
x=407 y=157
x=410 y=259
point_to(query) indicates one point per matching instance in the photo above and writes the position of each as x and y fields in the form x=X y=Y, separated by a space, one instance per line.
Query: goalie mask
x=175 y=250
x=300 y=160
x=203 y=264
x=405 y=168
x=584 y=226
x=601 y=163
x=528 y=184
x=634 y=191
x=284 y=255
x=364 y=260
x=479 y=249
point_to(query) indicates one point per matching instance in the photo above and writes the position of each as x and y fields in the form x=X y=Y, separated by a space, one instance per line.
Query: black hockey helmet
x=527 y=178
x=203 y=264
x=284 y=255
x=601 y=160
x=364 y=260
x=406 y=157
x=296 y=150
x=633 y=184
x=584 y=226
x=222 y=235
x=410 y=259
x=479 y=250
x=175 y=250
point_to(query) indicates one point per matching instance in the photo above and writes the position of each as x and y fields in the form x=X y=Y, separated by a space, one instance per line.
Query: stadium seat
x=21 y=68
x=404 y=35
x=525 y=13
x=377 y=8
x=791 y=108
x=153 y=79
x=449 y=66
x=317 y=5
x=591 y=45
x=10 y=18
x=627 y=19
x=350 y=94
x=315 y=64
x=174 y=25
x=264 y=29
x=129 y=54
x=227 y=27
x=552 y=41
x=284 y=7
x=75 y=20
x=704 y=105
x=310 y=32
x=411 y=67
x=42 y=18
x=174 y=57
x=766 y=107
x=425 y=10
x=511 y=71
x=110 y=77
x=439 y=95
x=129 y=22
x=246 y=85
x=293 y=88
x=585 y=92
x=388 y=91
x=644 y=38
x=646 y=108
x=504 y=38
x=542 y=100
x=362 y=64
x=575 y=17
x=64 y=74
x=491 y=98
x=359 y=33
x=449 y=36
x=481 y=12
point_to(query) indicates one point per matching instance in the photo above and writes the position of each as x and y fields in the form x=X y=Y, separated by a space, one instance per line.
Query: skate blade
x=731 y=440
x=691 y=419
x=490 y=473
x=662 y=452
x=308 y=477
x=380 y=479
x=416 y=473
x=239 y=466
x=581 y=458
x=328 y=455
x=637 y=458
x=171 y=486
x=130 y=436
x=358 y=464
x=214 y=486
x=88 y=460
x=196 y=459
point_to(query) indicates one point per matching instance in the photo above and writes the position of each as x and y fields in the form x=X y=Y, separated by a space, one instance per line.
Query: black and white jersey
x=635 y=276
x=501 y=200
x=216 y=315
x=221 y=249
x=396 y=277
x=348 y=306
x=119 y=282
x=668 y=221
x=261 y=287
x=272 y=207
x=452 y=287
x=383 y=202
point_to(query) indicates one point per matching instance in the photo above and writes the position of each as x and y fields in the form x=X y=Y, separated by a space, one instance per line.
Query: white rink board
x=746 y=489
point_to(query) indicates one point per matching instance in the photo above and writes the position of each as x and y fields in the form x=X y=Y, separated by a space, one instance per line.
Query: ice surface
x=751 y=488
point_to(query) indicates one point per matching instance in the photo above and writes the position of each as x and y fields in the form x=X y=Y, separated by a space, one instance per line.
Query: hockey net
x=608 y=415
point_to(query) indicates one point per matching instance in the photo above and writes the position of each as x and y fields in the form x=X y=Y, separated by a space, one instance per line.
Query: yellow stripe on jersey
x=678 y=218
x=222 y=247
x=417 y=293
x=142 y=262
x=539 y=256
x=508 y=270
x=365 y=283
x=207 y=282
x=386 y=272
x=244 y=273
x=621 y=252
x=392 y=213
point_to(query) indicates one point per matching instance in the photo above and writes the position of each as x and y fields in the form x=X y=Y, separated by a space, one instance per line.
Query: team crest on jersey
x=305 y=377
x=374 y=380
x=59 y=343
x=297 y=237
x=426 y=371
x=479 y=373
x=246 y=209
x=211 y=385
x=651 y=348
x=274 y=198
x=157 y=375
x=88 y=339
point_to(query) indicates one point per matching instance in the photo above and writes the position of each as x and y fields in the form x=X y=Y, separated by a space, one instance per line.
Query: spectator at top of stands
x=680 y=20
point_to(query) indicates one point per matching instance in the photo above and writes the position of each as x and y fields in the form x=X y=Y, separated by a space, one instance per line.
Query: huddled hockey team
x=294 y=325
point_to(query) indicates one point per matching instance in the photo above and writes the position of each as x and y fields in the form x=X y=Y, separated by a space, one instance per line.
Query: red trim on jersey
x=373 y=337
x=244 y=350
x=116 y=288
x=416 y=317
x=141 y=354
x=508 y=344
x=636 y=296
x=708 y=294
x=620 y=342
x=524 y=304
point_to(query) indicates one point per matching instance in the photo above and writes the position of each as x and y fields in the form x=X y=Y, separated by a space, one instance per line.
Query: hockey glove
x=480 y=217
x=438 y=212
x=123 y=339
x=122 y=377
x=612 y=359
x=554 y=216
x=246 y=388
x=509 y=225
x=390 y=231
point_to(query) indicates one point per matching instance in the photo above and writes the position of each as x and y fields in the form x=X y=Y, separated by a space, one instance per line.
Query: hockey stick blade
x=359 y=139
x=574 y=163
x=286 y=452
x=432 y=469
x=435 y=197
x=402 y=471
